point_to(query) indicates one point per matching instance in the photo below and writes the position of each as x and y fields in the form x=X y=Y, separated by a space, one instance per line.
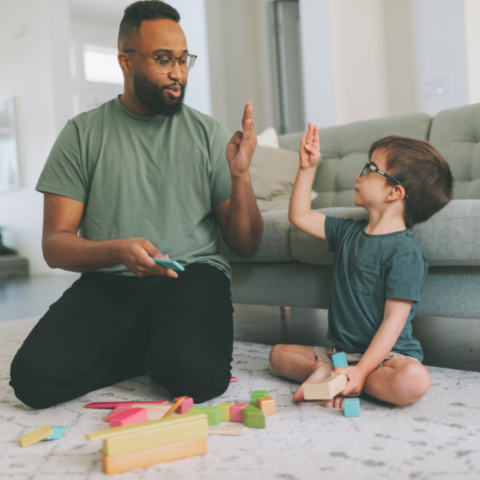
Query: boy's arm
x=300 y=213
x=396 y=314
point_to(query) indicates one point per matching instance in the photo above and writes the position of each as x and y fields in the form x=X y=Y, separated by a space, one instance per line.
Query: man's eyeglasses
x=166 y=63
x=373 y=168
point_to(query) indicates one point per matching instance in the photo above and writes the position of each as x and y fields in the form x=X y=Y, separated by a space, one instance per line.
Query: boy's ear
x=397 y=193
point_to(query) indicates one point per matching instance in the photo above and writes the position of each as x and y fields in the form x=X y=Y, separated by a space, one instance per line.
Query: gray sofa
x=291 y=268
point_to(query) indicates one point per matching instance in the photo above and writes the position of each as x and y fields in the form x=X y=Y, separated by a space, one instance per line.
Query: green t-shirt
x=153 y=177
x=368 y=269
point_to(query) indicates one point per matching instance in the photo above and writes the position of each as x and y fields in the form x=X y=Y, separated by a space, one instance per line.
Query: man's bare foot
x=320 y=372
x=336 y=402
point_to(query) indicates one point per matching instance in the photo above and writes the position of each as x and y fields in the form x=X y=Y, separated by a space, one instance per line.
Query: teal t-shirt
x=368 y=269
x=153 y=177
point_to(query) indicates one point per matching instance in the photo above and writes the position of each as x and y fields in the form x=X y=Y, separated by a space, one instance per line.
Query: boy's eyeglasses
x=167 y=62
x=374 y=168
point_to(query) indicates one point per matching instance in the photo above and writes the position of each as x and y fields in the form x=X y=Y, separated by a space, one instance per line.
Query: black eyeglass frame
x=158 y=57
x=373 y=168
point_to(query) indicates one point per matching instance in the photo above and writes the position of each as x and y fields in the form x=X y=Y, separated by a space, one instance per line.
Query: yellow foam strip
x=36 y=436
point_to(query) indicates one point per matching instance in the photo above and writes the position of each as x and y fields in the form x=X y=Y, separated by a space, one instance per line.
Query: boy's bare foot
x=320 y=372
x=336 y=402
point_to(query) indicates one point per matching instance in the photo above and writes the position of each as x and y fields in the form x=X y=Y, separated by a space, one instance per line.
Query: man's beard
x=153 y=97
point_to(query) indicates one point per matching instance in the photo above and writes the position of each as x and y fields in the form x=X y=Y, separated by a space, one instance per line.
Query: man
x=142 y=177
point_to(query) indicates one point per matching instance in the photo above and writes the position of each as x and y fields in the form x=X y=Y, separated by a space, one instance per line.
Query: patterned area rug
x=437 y=438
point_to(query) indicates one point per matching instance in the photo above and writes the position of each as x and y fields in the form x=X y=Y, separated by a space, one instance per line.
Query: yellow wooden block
x=36 y=436
x=266 y=405
x=140 y=436
x=225 y=407
x=152 y=456
x=232 y=431
x=326 y=389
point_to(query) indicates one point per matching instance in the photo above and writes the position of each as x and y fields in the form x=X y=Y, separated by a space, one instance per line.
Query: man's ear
x=125 y=63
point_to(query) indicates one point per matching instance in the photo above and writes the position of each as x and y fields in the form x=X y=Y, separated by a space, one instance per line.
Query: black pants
x=106 y=328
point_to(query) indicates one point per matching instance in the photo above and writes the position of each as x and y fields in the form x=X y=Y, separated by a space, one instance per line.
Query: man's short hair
x=142 y=10
x=423 y=172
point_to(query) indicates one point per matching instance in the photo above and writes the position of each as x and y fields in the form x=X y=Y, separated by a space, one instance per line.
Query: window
x=101 y=65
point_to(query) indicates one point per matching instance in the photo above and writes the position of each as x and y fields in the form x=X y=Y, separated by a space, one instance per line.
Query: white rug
x=437 y=438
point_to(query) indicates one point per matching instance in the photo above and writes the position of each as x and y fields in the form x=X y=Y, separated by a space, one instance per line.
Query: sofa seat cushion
x=450 y=238
x=275 y=243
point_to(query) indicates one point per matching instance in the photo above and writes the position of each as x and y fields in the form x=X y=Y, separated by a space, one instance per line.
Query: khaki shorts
x=324 y=355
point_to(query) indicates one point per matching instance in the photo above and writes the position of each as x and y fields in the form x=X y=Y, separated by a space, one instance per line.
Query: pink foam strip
x=131 y=416
x=116 y=411
x=233 y=379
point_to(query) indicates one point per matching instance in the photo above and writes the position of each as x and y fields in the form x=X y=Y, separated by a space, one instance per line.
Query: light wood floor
x=446 y=342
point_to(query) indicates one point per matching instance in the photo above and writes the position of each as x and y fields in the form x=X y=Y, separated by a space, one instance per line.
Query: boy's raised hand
x=310 y=148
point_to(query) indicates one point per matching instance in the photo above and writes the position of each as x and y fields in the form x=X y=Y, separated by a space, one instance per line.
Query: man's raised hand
x=310 y=148
x=242 y=145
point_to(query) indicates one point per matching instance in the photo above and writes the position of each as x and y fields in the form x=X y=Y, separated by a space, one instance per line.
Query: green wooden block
x=339 y=360
x=252 y=417
x=351 y=407
x=258 y=394
x=214 y=414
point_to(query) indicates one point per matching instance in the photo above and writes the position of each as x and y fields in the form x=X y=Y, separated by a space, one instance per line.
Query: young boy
x=379 y=271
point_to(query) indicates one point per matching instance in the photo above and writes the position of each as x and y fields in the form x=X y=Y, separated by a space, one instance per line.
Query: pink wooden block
x=117 y=404
x=131 y=416
x=185 y=406
x=236 y=412
x=233 y=379
x=116 y=411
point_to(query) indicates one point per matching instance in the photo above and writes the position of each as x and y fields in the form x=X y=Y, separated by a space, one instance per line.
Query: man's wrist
x=241 y=177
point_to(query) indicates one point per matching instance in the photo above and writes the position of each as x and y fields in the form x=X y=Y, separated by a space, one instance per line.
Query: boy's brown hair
x=422 y=171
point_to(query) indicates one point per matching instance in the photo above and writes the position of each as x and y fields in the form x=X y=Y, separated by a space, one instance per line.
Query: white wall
x=472 y=27
x=40 y=85
x=440 y=52
x=317 y=62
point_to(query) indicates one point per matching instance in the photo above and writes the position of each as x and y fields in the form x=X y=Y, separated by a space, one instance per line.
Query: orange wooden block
x=266 y=405
x=152 y=456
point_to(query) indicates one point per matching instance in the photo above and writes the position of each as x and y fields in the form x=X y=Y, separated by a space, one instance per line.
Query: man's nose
x=176 y=73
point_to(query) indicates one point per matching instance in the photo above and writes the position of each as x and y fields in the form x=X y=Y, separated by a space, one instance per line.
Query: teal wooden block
x=214 y=414
x=258 y=394
x=57 y=433
x=253 y=417
x=351 y=407
x=339 y=360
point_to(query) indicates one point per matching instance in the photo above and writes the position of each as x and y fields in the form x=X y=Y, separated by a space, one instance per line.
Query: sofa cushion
x=345 y=151
x=456 y=134
x=450 y=238
x=275 y=242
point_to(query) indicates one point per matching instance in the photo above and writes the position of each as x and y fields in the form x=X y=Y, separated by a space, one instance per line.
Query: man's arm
x=240 y=220
x=395 y=317
x=63 y=248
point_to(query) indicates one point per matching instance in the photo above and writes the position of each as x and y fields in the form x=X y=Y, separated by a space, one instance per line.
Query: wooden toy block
x=225 y=407
x=325 y=390
x=186 y=405
x=140 y=436
x=258 y=394
x=236 y=412
x=233 y=379
x=339 y=360
x=174 y=407
x=351 y=407
x=129 y=417
x=57 y=433
x=154 y=455
x=36 y=436
x=156 y=412
x=116 y=404
x=266 y=405
x=214 y=414
x=234 y=431
x=116 y=411
x=252 y=417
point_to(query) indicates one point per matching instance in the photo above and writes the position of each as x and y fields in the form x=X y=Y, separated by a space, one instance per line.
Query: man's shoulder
x=208 y=123
x=94 y=116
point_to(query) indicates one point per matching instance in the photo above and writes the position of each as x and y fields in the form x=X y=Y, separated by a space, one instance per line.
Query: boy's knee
x=413 y=382
x=276 y=354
